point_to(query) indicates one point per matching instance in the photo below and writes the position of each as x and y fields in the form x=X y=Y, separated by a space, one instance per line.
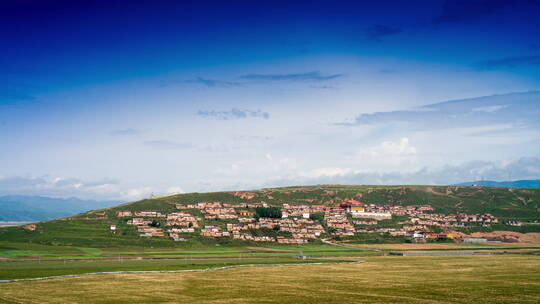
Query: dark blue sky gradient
x=51 y=44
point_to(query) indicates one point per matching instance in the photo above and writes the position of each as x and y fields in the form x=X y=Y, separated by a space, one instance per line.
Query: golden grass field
x=446 y=246
x=441 y=279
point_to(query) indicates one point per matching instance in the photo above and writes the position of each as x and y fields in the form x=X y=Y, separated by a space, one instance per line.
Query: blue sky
x=120 y=99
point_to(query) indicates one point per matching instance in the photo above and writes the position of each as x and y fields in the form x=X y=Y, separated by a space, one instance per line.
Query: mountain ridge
x=525 y=183
x=38 y=208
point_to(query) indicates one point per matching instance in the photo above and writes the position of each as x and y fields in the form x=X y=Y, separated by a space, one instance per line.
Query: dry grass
x=443 y=246
x=462 y=279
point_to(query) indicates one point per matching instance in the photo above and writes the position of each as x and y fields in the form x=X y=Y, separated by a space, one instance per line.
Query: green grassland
x=21 y=260
x=91 y=229
x=39 y=269
x=36 y=251
x=448 y=279
x=26 y=260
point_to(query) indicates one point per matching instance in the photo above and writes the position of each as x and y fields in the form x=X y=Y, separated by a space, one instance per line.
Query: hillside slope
x=193 y=225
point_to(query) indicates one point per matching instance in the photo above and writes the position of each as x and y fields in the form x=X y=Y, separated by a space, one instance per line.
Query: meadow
x=40 y=269
x=450 y=246
x=24 y=260
x=441 y=279
x=18 y=261
x=14 y=250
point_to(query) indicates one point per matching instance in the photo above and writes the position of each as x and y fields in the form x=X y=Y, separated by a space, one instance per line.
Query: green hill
x=93 y=228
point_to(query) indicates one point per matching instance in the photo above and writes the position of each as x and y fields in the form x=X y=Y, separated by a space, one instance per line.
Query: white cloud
x=283 y=163
x=489 y=109
x=511 y=169
x=327 y=172
x=125 y=132
x=401 y=148
x=522 y=168
x=136 y=193
x=72 y=187
x=267 y=164
x=387 y=155
x=174 y=190
x=233 y=114
x=167 y=144
x=480 y=111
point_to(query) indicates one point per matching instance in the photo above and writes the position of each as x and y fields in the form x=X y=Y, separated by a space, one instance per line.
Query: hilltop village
x=299 y=223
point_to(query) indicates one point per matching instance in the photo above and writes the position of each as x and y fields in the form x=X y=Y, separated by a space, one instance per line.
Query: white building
x=373 y=215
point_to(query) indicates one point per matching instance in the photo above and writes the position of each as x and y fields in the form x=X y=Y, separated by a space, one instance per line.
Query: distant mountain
x=534 y=183
x=38 y=208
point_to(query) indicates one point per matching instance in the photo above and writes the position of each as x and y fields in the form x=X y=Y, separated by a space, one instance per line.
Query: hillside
x=38 y=208
x=294 y=215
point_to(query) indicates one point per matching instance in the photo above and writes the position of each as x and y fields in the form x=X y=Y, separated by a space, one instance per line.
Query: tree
x=270 y=212
x=317 y=216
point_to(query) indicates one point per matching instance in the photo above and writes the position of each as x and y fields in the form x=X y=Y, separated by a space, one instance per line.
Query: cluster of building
x=237 y=235
x=146 y=230
x=300 y=210
x=214 y=231
x=417 y=226
x=337 y=221
x=181 y=222
x=300 y=229
x=453 y=220
x=143 y=227
x=140 y=213
x=343 y=219
x=211 y=205
x=222 y=211
x=183 y=219
x=243 y=195
x=398 y=210
x=139 y=221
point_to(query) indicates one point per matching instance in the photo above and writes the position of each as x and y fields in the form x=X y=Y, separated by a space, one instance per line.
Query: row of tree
x=269 y=212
